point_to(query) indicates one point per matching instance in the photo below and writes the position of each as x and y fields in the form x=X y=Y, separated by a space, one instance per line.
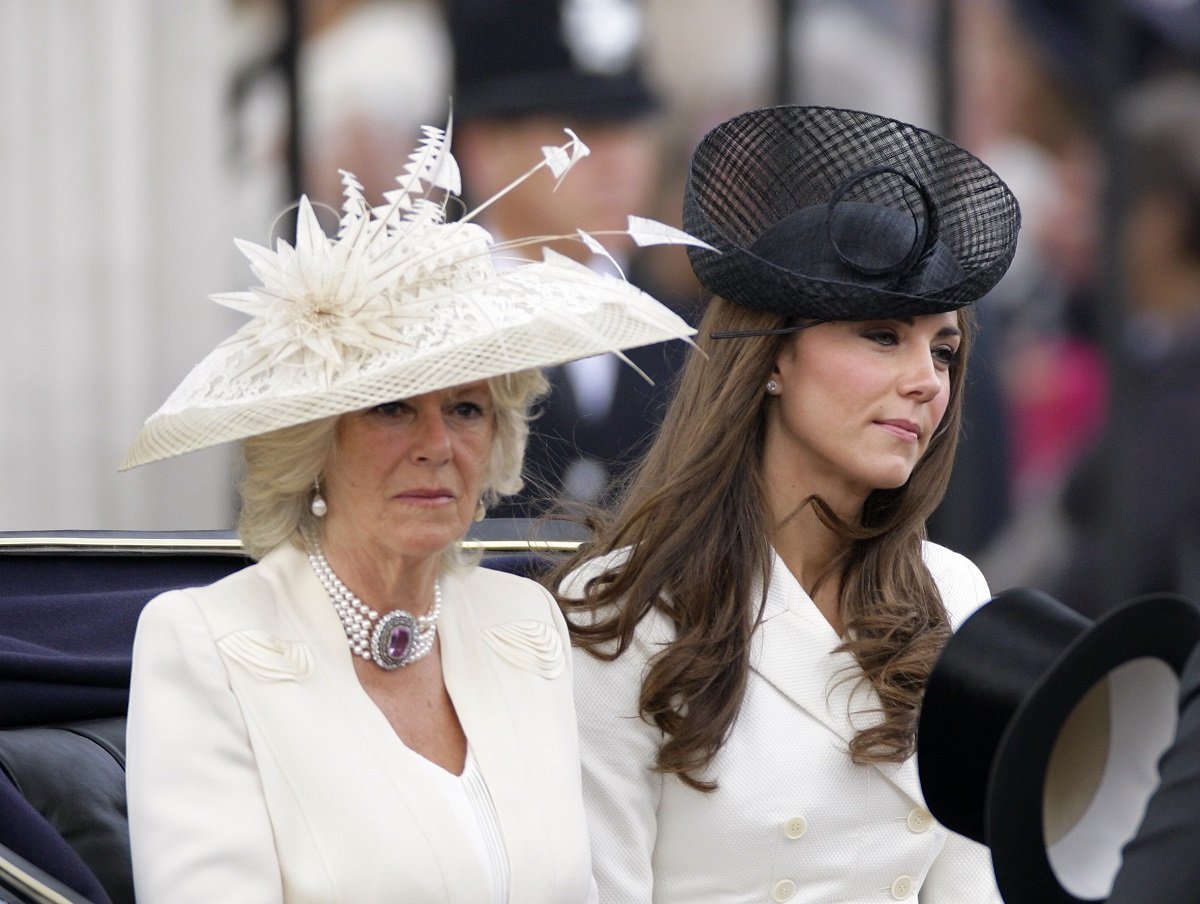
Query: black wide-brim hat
x=828 y=214
x=1040 y=733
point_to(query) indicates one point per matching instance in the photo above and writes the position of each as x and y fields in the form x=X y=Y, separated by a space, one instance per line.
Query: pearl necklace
x=392 y=640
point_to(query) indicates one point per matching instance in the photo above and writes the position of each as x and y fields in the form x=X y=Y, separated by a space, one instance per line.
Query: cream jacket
x=260 y=771
x=793 y=819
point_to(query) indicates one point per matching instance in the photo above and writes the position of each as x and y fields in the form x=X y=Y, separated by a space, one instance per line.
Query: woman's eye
x=390 y=409
x=946 y=355
x=882 y=337
x=468 y=410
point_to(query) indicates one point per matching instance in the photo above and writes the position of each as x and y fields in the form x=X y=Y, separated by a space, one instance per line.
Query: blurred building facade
x=120 y=210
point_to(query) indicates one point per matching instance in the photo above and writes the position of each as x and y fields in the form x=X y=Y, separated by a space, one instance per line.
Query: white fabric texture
x=260 y=771
x=466 y=797
x=793 y=818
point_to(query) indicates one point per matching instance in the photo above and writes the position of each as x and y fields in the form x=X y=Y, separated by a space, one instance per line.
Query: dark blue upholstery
x=30 y=837
x=67 y=623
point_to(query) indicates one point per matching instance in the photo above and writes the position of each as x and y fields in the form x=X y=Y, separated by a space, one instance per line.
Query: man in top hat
x=524 y=70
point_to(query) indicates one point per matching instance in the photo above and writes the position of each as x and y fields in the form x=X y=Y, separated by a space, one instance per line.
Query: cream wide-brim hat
x=398 y=304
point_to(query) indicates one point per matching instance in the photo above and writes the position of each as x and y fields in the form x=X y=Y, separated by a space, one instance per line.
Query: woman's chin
x=427 y=540
x=434 y=546
x=892 y=478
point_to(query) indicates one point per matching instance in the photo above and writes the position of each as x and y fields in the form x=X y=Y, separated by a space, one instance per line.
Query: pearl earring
x=318 y=506
x=772 y=387
x=480 y=511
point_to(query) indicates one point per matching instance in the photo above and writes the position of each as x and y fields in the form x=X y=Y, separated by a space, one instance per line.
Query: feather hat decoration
x=398 y=303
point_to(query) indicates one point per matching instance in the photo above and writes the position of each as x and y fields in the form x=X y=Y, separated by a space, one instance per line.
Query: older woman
x=756 y=624
x=359 y=716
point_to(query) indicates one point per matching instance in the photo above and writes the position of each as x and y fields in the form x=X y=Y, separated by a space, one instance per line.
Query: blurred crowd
x=1077 y=472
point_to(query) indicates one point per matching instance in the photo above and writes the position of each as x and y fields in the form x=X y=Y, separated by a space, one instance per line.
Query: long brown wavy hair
x=697 y=530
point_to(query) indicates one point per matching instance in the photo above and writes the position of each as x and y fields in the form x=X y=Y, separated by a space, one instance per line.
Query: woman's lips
x=426 y=497
x=905 y=430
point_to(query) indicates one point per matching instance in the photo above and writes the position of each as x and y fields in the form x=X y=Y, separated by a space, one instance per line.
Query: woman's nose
x=431 y=439
x=922 y=379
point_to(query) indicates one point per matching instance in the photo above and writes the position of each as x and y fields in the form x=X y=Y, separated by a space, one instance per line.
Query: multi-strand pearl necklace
x=392 y=640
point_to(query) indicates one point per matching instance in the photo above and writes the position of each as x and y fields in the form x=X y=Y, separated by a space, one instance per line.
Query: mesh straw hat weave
x=829 y=214
x=399 y=303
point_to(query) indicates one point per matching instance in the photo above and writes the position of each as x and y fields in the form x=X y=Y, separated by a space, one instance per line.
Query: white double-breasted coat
x=793 y=818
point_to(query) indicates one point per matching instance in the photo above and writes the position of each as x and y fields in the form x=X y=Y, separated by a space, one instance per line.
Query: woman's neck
x=381 y=580
x=809 y=548
x=806 y=545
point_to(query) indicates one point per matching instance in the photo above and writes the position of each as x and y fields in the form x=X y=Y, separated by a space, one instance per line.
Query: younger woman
x=756 y=624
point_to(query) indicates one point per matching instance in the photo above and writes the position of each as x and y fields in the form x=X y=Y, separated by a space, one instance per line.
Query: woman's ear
x=774 y=386
x=784 y=361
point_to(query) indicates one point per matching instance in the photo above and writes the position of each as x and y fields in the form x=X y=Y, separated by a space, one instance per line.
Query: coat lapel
x=794 y=651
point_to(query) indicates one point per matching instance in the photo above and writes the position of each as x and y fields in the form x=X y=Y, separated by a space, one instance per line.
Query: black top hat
x=521 y=57
x=827 y=214
x=1040 y=731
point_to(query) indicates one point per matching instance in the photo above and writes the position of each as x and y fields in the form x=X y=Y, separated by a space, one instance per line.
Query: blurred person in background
x=866 y=55
x=1030 y=95
x=524 y=70
x=369 y=74
x=707 y=66
x=1027 y=100
x=372 y=72
x=1149 y=450
x=1028 y=113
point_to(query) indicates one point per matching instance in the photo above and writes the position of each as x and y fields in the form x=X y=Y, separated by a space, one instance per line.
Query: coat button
x=902 y=888
x=795 y=827
x=783 y=890
x=919 y=820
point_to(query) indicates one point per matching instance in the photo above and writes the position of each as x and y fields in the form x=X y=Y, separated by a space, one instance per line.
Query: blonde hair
x=281 y=468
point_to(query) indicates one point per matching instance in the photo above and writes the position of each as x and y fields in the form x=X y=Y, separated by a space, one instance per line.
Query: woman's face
x=405 y=477
x=858 y=403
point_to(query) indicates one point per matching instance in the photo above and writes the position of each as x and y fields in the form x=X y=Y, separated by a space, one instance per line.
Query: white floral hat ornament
x=399 y=303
